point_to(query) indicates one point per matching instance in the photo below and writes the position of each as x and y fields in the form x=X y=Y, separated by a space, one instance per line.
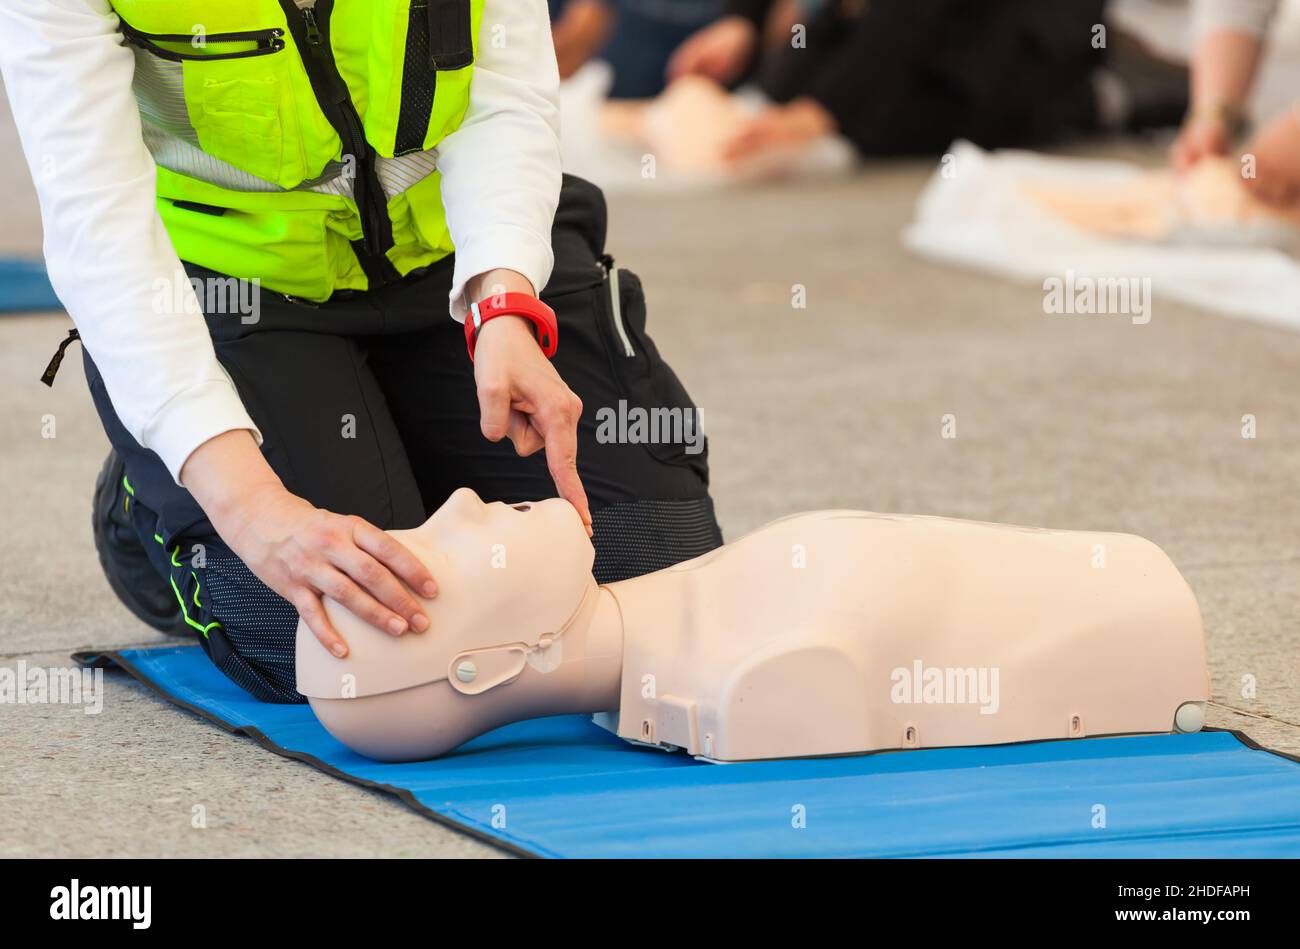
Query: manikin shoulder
x=840 y=531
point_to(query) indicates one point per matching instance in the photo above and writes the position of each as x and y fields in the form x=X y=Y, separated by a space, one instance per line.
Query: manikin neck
x=581 y=669
x=593 y=642
x=593 y=645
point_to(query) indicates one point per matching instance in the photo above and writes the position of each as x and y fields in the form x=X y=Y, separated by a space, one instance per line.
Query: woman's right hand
x=302 y=552
x=720 y=51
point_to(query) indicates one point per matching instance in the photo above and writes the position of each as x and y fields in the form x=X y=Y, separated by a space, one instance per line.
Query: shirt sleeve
x=501 y=167
x=1243 y=16
x=68 y=76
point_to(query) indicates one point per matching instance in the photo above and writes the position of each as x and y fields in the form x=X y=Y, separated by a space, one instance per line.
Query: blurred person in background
x=907 y=77
x=635 y=37
x=1230 y=38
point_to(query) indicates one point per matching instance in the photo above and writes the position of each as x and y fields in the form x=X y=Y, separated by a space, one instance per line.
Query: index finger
x=395 y=557
x=562 y=461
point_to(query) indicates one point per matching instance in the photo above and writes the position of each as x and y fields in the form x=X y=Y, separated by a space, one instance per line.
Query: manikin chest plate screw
x=466 y=671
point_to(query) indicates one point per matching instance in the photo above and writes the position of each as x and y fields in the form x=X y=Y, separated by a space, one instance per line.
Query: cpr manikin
x=688 y=127
x=827 y=633
x=1207 y=205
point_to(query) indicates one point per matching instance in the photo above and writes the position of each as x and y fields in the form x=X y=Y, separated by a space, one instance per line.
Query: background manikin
x=1208 y=204
x=826 y=633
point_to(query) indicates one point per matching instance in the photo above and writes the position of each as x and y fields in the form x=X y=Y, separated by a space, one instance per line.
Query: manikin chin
x=829 y=633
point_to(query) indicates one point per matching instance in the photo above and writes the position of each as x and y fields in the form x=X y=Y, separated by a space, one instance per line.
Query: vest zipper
x=264 y=42
x=312 y=37
x=313 y=33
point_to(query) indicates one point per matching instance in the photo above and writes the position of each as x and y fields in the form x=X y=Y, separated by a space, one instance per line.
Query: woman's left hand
x=521 y=396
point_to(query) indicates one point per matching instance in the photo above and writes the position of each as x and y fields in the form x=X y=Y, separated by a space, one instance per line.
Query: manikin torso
x=827 y=633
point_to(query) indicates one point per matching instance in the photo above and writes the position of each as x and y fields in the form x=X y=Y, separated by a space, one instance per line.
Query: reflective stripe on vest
x=299 y=146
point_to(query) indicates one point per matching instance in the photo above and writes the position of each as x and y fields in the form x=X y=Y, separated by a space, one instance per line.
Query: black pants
x=907 y=77
x=367 y=406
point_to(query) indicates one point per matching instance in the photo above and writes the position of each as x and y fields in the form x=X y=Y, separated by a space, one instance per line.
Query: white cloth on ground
x=980 y=216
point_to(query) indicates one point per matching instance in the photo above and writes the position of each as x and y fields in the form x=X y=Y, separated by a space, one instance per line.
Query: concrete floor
x=1090 y=423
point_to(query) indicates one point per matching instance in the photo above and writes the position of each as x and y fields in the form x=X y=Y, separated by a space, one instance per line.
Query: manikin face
x=500 y=555
x=466 y=511
x=506 y=573
x=497 y=544
x=513 y=571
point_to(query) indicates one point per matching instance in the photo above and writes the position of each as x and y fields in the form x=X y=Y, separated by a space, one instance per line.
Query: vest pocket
x=451 y=33
x=234 y=87
x=239 y=121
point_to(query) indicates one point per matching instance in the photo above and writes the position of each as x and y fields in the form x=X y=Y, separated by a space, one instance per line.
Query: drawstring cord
x=57 y=359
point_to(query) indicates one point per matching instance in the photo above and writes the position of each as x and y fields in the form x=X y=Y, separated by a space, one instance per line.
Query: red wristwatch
x=514 y=304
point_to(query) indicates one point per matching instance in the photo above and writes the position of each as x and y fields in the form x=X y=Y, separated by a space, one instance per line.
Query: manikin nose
x=467 y=503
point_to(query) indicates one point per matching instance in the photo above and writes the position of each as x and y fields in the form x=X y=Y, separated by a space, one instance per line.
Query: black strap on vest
x=451 y=40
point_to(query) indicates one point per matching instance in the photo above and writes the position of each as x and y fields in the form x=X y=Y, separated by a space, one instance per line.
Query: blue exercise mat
x=24 y=286
x=563 y=787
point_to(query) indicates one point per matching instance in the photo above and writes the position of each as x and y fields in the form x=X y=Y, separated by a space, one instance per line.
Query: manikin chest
x=842 y=632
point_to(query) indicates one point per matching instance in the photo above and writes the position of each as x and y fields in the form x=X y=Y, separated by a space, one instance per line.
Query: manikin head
x=509 y=578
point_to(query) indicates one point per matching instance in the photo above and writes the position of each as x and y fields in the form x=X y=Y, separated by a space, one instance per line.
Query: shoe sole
x=166 y=618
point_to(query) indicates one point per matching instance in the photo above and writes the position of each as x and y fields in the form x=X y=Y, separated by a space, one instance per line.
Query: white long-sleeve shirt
x=1244 y=16
x=68 y=76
